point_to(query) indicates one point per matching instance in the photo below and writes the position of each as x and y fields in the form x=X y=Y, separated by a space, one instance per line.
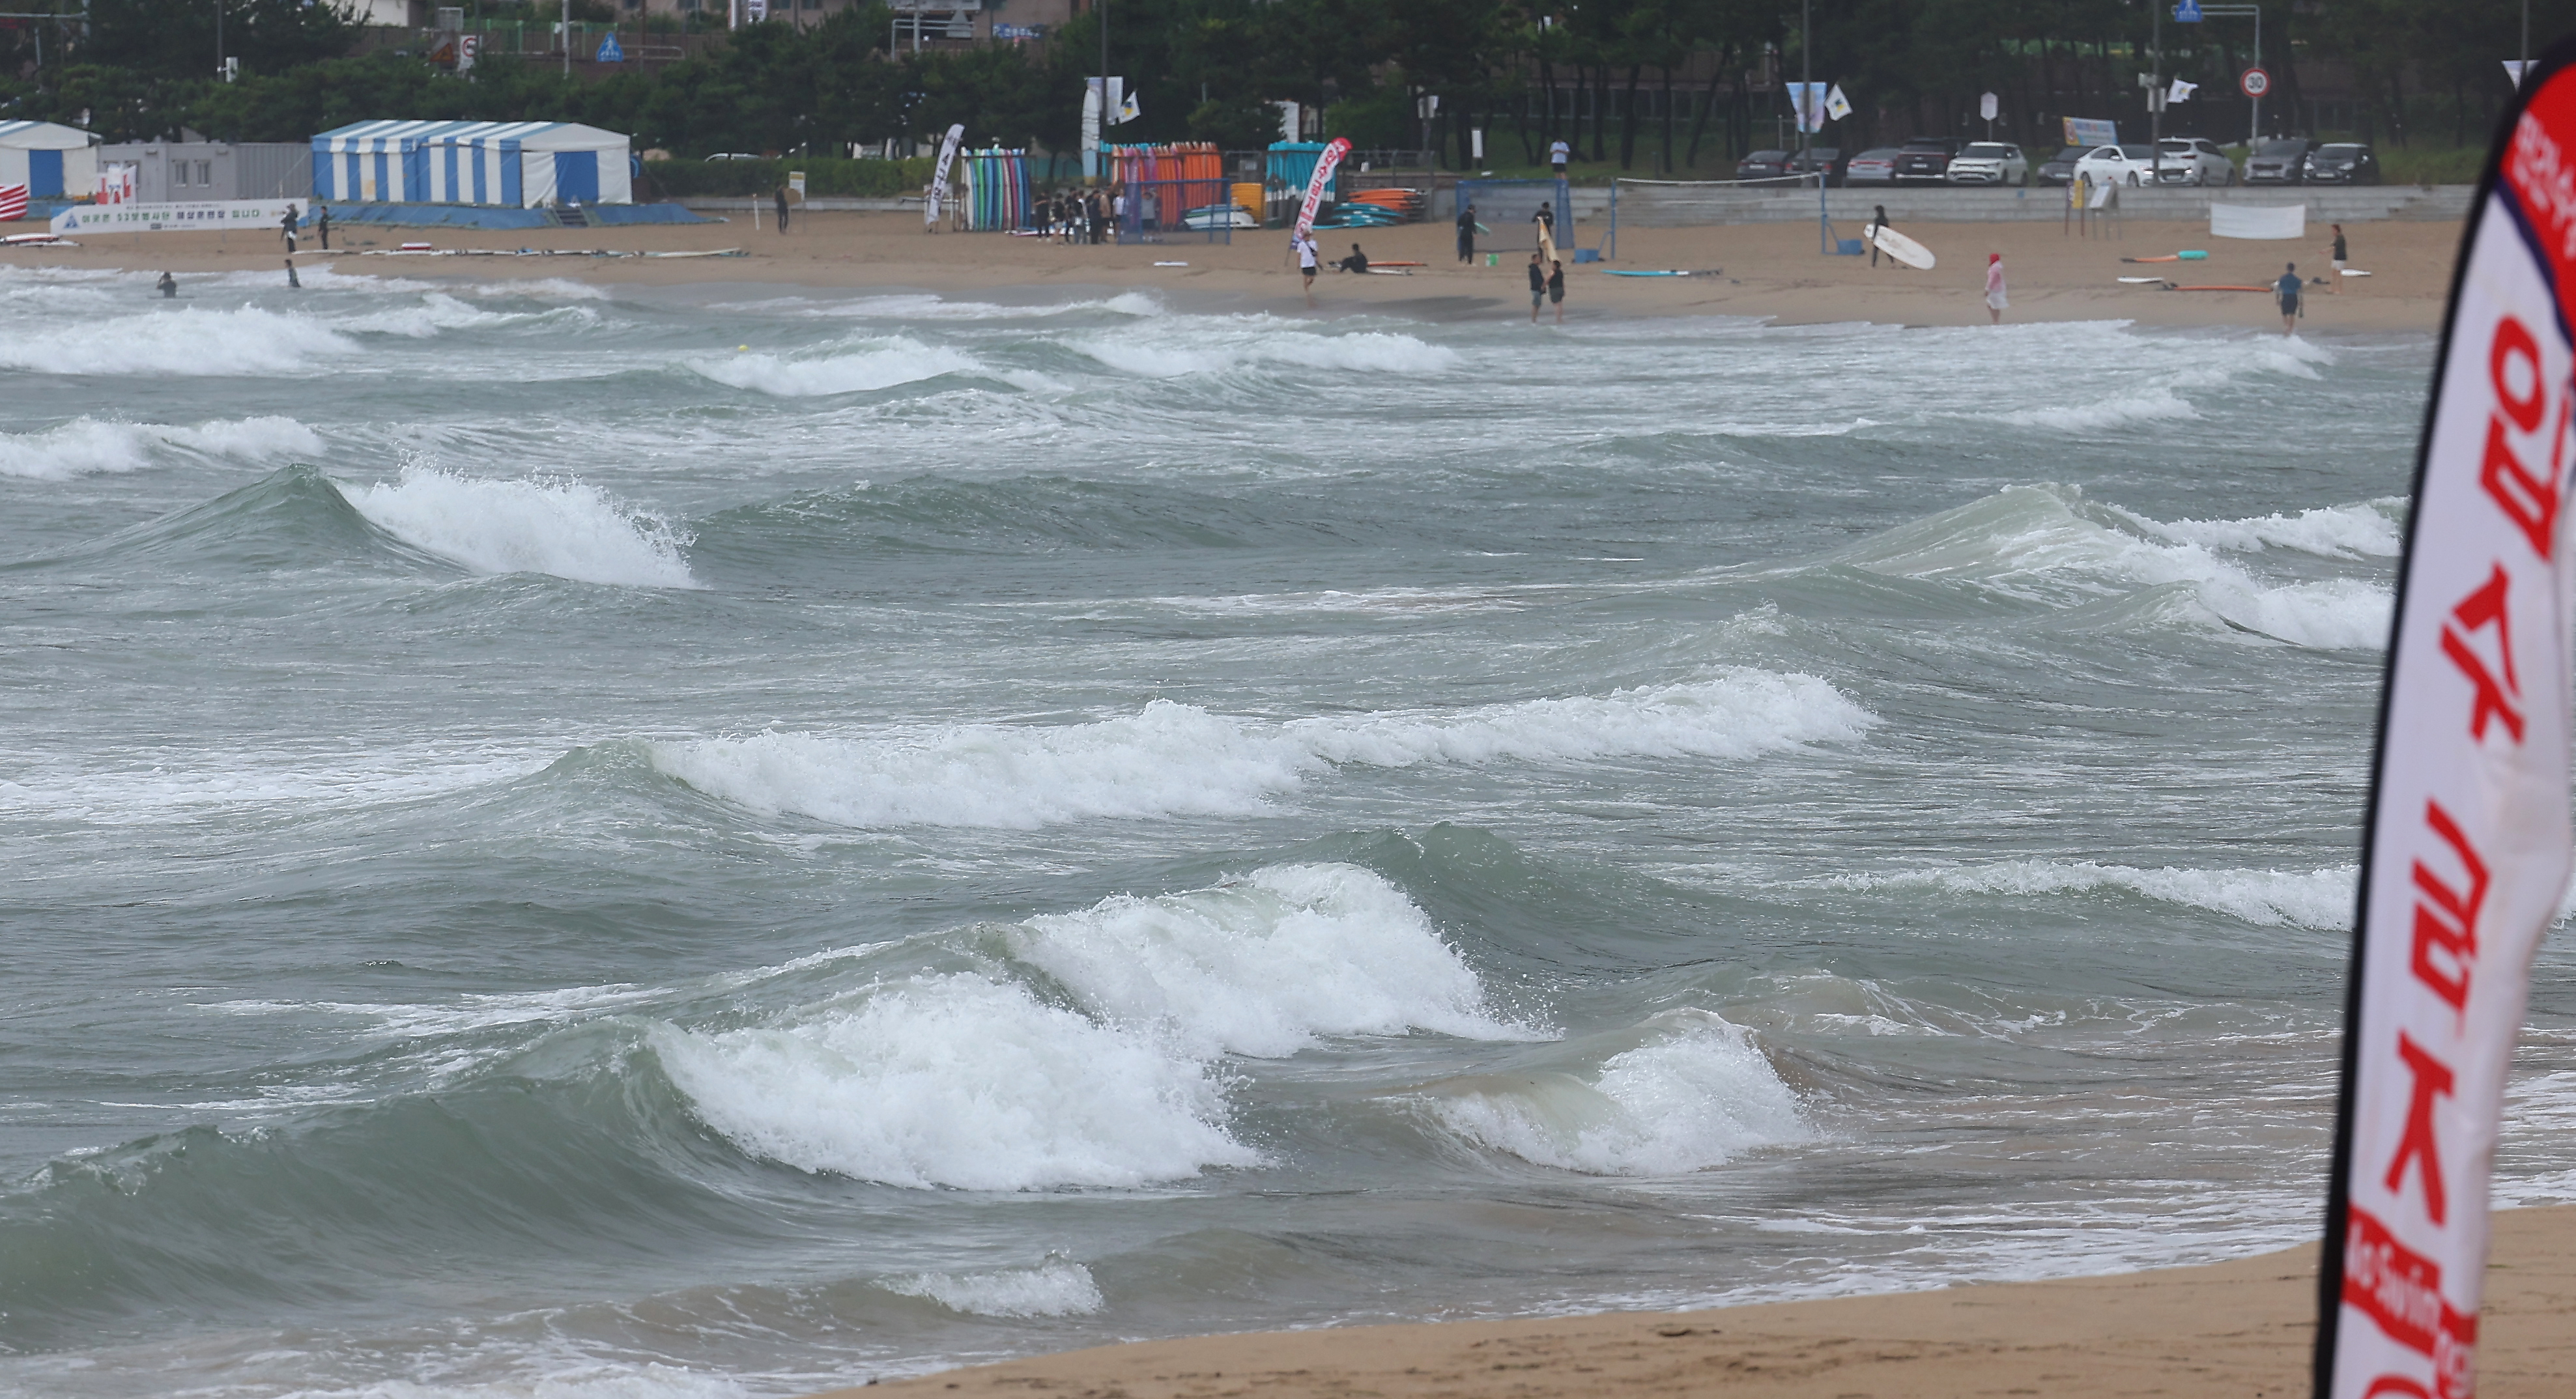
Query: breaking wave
x=898 y=360
x=2304 y=898
x=561 y=527
x=242 y=341
x=88 y=446
x=1179 y=760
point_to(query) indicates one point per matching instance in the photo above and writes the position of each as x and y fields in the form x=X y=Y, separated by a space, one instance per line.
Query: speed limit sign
x=2255 y=82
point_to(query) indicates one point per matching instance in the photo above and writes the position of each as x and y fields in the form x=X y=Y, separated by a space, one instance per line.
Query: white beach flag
x=1326 y=162
x=2466 y=852
x=2181 y=91
x=1837 y=106
x=939 y=175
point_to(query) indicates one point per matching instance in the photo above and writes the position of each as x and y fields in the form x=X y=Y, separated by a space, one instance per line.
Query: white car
x=2117 y=165
x=1989 y=163
x=2193 y=160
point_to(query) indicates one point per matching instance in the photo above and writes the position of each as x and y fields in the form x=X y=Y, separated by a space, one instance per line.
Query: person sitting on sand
x=1356 y=262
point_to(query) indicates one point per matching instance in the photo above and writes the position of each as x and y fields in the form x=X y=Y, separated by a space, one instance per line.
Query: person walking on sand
x=1995 y=301
x=2286 y=291
x=1538 y=287
x=1556 y=290
x=322 y=225
x=781 y=197
x=1877 y=221
x=2335 y=256
x=286 y=227
x=1466 y=232
x=1304 y=243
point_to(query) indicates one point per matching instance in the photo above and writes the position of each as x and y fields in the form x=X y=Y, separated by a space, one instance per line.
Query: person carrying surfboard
x=1877 y=221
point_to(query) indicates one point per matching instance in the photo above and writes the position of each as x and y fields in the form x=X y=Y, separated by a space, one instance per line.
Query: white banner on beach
x=2467 y=851
x=939 y=176
x=218 y=215
x=2258 y=220
x=1326 y=162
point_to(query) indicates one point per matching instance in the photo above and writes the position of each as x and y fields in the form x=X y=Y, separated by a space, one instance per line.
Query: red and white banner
x=1326 y=162
x=13 y=202
x=2467 y=851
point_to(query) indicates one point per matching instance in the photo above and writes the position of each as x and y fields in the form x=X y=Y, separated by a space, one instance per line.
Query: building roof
x=43 y=136
x=531 y=135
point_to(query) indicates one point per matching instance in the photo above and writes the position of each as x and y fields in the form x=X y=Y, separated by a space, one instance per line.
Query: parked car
x=2116 y=165
x=1763 y=165
x=2059 y=168
x=2193 y=160
x=1925 y=160
x=1872 y=167
x=1990 y=163
x=2278 y=161
x=1829 y=159
x=2340 y=163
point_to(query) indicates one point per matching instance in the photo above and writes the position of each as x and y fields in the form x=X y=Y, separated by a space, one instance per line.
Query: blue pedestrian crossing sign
x=609 y=52
x=2186 y=11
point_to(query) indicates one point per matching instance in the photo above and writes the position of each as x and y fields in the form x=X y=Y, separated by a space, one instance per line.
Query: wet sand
x=2240 y=1330
x=1772 y=271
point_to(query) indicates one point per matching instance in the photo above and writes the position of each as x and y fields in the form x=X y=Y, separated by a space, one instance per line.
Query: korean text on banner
x=939 y=176
x=1328 y=161
x=2466 y=855
x=2088 y=132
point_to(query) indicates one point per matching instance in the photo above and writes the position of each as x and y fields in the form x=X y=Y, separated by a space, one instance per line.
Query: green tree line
x=1664 y=84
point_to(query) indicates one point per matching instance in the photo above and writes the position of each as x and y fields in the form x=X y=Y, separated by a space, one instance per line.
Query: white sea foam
x=2335 y=531
x=242 y=341
x=1204 y=347
x=958 y=1081
x=562 y=527
x=85 y=446
x=2144 y=405
x=576 y=1378
x=1266 y=966
x=1697 y=1093
x=1179 y=760
x=2307 y=898
x=1057 y=1288
x=437 y=313
x=859 y=370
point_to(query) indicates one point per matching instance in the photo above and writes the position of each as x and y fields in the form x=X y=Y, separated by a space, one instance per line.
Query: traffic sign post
x=2255 y=83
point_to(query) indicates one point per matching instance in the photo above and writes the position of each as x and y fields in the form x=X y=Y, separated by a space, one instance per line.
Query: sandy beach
x=2241 y=1328
x=1772 y=271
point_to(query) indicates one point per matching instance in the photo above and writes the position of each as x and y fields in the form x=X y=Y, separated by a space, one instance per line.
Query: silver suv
x=2192 y=160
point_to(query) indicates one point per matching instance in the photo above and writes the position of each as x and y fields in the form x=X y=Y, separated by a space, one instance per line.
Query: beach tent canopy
x=51 y=160
x=519 y=164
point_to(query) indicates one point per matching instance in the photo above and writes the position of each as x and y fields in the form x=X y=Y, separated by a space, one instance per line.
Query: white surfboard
x=1902 y=248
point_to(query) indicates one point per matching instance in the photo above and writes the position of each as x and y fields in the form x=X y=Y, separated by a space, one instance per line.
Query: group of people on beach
x=1072 y=216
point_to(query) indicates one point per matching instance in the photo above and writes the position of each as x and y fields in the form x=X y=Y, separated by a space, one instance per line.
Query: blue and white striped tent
x=518 y=164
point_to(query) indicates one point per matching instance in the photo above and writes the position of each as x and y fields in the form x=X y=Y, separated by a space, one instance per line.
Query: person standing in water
x=2286 y=291
x=1556 y=290
x=1538 y=287
x=2335 y=256
x=169 y=285
x=291 y=279
x=1995 y=300
x=286 y=227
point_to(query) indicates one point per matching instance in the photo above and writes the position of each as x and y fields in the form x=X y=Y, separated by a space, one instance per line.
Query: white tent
x=52 y=161
x=518 y=164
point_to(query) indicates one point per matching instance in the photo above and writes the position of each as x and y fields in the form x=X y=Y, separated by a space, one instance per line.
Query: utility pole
x=219 y=37
x=567 y=37
x=2156 y=93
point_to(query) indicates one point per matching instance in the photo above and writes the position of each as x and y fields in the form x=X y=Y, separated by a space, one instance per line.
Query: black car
x=2278 y=161
x=1925 y=160
x=2059 y=168
x=1826 y=158
x=1764 y=165
x=2340 y=163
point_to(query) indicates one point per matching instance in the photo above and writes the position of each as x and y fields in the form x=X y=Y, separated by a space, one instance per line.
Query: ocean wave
x=438 y=313
x=1197 y=347
x=1266 y=966
x=1180 y=760
x=895 y=361
x=561 y=527
x=87 y=446
x=2037 y=541
x=1057 y=1288
x=242 y=341
x=2320 y=899
x=2333 y=531
x=1696 y=1093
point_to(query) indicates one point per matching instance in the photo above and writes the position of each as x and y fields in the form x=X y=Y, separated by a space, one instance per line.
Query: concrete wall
x=1665 y=206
